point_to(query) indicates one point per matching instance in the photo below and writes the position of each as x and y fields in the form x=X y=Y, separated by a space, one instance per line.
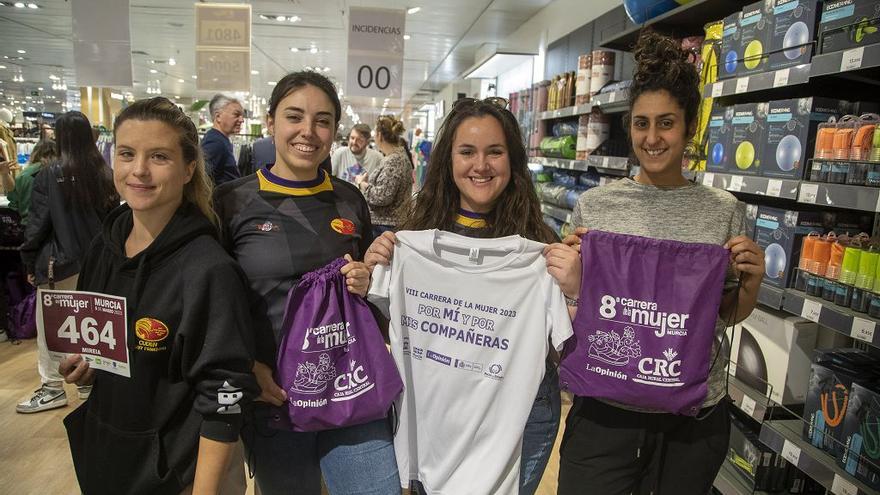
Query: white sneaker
x=83 y=391
x=44 y=398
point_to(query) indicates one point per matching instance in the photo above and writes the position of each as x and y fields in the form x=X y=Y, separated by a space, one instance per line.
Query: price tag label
x=717 y=89
x=774 y=188
x=811 y=310
x=708 y=179
x=736 y=183
x=781 y=77
x=808 y=193
x=862 y=329
x=841 y=486
x=748 y=405
x=852 y=59
x=742 y=85
x=87 y=323
x=791 y=452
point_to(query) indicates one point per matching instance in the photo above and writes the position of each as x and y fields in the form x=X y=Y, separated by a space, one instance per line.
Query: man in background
x=227 y=115
x=357 y=158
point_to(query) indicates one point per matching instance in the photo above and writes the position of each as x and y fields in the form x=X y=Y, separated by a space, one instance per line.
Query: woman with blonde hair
x=389 y=186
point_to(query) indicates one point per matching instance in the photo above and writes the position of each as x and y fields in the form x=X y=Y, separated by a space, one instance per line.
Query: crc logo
x=351 y=379
x=666 y=368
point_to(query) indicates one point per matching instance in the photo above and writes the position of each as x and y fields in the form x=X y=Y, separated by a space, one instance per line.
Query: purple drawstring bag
x=645 y=322
x=333 y=362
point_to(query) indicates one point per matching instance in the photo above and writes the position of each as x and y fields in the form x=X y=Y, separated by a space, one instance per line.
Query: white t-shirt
x=346 y=166
x=471 y=325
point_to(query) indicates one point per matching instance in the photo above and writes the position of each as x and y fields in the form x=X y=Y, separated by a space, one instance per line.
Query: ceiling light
x=294 y=49
x=20 y=5
x=195 y=77
x=181 y=81
x=406 y=36
x=33 y=6
x=265 y=17
x=254 y=72
x=271 y=83
x=294 y=18
x=153 y=71
x=52 y=77
x=171 y=61
x=413 y=10
x=314 y=49
x=280 y=18
x=39 y=89
x=176 y=97
x=2 y=66
x=21 y=51
x=326 y=69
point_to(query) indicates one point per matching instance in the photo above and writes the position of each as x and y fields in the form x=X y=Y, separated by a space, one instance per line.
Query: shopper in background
x=172 y=426
x=43 y=154
x=288 y=219
x=613 y=448
x=356 y=158
x=227 y=115
x=387 y=187
x=478 y=185
x=70 y=199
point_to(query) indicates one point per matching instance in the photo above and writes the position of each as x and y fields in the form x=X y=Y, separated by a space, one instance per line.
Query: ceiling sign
x=223 y=47
x=375 y=52
x=101 y=49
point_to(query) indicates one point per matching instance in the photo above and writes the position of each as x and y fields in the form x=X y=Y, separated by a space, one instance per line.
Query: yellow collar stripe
x=269 y=186
x=473 y=223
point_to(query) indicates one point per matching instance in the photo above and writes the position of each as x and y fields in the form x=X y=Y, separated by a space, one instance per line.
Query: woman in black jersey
x=478 y=185
x=288 y=219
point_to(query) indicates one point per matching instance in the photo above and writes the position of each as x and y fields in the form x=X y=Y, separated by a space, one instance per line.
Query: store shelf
x=784 y=437
x=750 y=184
x=747 y=399
x=615 y=165
x=840 y=196
x=770 y=296
x=612 y=101
x=729 y=482
x=561 y=214
x=855 y=59
x=686 y=20
x=566 y=112
x=842 y=320
x=790 y=76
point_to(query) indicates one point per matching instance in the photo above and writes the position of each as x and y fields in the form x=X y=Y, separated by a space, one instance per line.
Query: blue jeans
x=540 y=433
x=357 y=460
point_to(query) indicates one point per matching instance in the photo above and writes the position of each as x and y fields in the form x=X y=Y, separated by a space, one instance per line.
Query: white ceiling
x=444 y=38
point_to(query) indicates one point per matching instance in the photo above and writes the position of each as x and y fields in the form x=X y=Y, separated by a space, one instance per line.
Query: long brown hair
x=516 y=211
x=199 y=189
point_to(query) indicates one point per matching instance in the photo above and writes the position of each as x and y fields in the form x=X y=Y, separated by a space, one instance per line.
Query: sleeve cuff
x=222 y=428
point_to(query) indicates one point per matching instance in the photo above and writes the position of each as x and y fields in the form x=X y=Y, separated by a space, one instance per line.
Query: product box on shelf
x=861 y=434
x=832 y=375
x=848 y=24
x=751 y=218
x=730 y=51
x=853 y=223
x=794 y=27
x=758 y=465
x=756 y=29
x=791 y=133
x=780 y=234
x=748 y=135
x=720 y=136
x=772 y=351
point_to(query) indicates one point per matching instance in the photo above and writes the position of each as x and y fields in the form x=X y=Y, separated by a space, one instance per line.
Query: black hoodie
x=189 y=341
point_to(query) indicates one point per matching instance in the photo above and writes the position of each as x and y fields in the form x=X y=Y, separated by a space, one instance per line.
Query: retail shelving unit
x=728 y=482
x=751 y=184
x=782 y=78
x=561 y=214
x=614 y=165
x=842 y=320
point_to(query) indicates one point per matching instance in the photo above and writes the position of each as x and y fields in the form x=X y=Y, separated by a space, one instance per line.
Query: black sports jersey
x=279 y=230
x=470 y=224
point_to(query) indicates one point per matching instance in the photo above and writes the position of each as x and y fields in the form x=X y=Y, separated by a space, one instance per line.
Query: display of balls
x=753 y=53
x=730 y=62
x=795 y=41
x=745 y=155
x=640 y=11
x=788 y=153
x=774 y=261
x=717 y=153
x=751 y=366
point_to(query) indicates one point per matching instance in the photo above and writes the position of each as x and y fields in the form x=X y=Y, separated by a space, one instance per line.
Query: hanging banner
x=375 y=52
x=223 y=47
x=101 y=49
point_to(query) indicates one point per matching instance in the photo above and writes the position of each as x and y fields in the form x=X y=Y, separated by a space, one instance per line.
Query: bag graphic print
x=333 y=363
x=645 y=323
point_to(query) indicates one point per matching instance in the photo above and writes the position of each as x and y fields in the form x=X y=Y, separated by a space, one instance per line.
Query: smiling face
x=480 y=163
x=356 y=142
x=659 y=133
x=149 y=170
x=303 y=126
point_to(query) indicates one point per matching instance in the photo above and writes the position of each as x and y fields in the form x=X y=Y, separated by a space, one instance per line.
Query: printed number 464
x=88 y=330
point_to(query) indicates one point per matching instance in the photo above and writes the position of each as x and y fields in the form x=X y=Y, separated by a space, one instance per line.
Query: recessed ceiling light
x=265 y=17
x=254 y=72
x=20 y=5
x=326 y=69
x=294 y=18
x=153 y=71
x=39 y=89
x=171 y=61
x=2 y=66
x=176 y=97
x=314 y=49
x=21 y=51
x=280 y=18
x=195 y=77
x=181 y=81
x=294 y=49
x=271 y=83
x=406 y=36
x=33 y=6
x=413 y=10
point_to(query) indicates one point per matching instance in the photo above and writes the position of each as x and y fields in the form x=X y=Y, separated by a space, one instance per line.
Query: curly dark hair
x=662 y=65
x=516 y=211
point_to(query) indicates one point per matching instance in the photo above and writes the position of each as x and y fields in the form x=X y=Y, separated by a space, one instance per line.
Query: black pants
x=607 y=450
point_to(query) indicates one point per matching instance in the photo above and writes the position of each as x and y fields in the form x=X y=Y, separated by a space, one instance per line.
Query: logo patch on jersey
x=150 y=329
x=343 y=226
x=267 y=227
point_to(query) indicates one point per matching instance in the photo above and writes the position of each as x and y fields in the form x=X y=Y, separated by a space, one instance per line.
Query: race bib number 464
x=87 y=323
